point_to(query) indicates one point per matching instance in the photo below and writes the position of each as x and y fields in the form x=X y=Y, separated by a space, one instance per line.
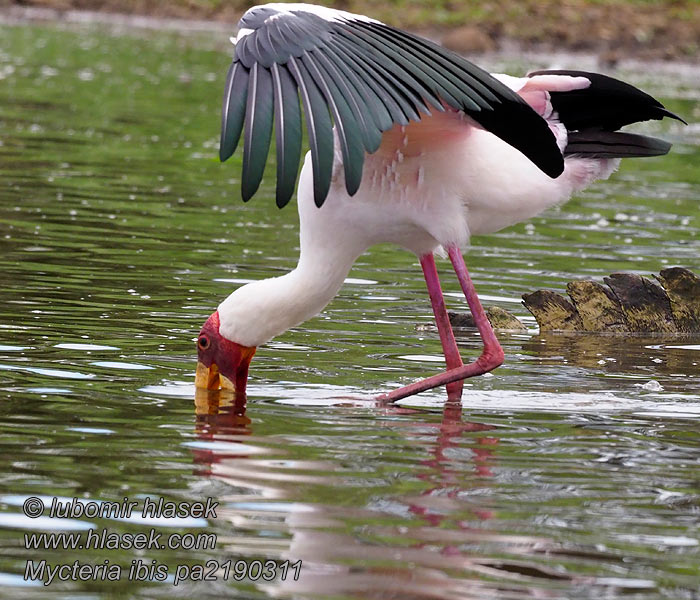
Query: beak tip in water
x=209 y=378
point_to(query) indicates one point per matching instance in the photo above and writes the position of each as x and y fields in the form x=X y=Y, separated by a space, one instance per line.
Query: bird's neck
x=260 y=311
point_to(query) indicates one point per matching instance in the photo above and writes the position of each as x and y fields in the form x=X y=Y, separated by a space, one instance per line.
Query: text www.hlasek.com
x=108 y=540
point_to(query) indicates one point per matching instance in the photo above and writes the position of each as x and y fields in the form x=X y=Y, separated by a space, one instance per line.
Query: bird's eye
x=203 y=342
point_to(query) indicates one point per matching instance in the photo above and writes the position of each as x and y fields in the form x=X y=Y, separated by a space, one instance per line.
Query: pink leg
x=447 y=338
x=492 y=355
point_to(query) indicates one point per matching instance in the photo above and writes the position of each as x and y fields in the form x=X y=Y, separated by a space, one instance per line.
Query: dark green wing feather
x=318 y=122
x=258 y=130
x=288 y=132
x=233 y=113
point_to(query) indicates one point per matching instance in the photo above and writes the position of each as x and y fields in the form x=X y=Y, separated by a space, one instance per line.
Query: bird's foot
x=491 y=358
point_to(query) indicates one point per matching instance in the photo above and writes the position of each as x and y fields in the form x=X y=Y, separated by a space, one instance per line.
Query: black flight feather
x=258 y=130
x=606 y=104
x=614 y=144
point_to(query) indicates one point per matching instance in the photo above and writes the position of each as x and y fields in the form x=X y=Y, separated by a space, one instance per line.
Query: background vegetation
x=644 y=28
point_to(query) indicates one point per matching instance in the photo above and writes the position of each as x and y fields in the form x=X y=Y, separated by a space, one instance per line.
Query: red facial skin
x=228 y=358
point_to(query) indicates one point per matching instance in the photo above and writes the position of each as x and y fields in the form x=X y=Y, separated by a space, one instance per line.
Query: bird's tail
x=593 y=114
x=613 y=144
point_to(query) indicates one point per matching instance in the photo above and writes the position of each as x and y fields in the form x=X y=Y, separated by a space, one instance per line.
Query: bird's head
x=221 y=363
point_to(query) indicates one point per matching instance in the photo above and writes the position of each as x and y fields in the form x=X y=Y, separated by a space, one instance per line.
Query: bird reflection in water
x=445 y=477
x=347 y=550
x=220 y=412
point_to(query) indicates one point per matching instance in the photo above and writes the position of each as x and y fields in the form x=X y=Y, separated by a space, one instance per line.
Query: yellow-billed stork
x=409 y=143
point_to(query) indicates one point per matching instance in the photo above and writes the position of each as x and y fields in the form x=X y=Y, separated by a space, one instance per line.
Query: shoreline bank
x=611 y=30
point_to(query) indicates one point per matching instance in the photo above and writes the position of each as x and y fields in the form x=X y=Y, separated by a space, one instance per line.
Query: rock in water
x=597 y=306
x=683 y=289
x=631 y=304
x=645 y=303
x=552 y=311
x=498 y=317
x=502 y=319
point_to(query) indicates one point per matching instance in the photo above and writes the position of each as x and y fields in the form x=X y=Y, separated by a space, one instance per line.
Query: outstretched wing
x=361 y=76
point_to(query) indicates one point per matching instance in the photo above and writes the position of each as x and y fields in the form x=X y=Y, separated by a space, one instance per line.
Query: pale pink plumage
x=431 y=184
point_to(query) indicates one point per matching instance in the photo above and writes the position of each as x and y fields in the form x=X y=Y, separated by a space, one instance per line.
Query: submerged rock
x=644 y=302
x=498 y=317
x=683 y=289
x=552 y=311
x=628 y=303
x=597 y=306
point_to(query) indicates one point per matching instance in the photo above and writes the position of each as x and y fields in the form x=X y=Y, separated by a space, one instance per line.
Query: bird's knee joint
x=493 y=357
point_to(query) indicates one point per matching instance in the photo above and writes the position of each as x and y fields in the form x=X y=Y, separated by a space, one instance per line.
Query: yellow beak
x=209 y=378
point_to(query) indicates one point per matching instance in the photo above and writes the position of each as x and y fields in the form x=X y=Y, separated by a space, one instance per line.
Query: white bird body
x=410 y=144
x=431 y=184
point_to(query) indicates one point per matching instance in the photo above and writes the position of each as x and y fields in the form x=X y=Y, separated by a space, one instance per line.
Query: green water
x=572 y=472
